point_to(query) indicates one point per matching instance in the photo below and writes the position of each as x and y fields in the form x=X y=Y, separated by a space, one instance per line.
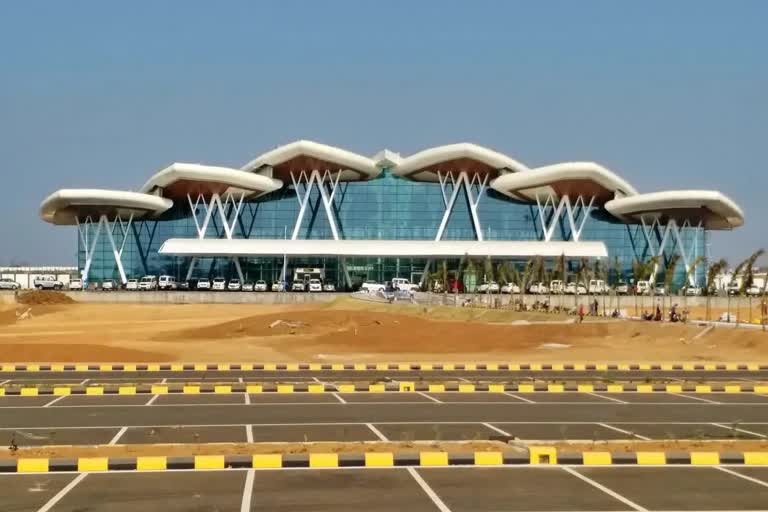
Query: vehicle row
x=167 y=283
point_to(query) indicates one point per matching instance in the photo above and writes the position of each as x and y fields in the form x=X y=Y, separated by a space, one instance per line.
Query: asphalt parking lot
x=449 y=489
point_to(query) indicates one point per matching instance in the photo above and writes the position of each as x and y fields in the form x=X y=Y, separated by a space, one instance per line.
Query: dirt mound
x=41 y=297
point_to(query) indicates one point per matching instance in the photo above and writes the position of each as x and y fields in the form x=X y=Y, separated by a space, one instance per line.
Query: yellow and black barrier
x=536 y=455
x=364 y=387
x=386 y=366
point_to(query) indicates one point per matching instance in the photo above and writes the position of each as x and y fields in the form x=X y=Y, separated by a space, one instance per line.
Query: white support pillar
x=648 y=231
x=239 y=269
x=191 y=267
x=103 y=224
x=576 y=214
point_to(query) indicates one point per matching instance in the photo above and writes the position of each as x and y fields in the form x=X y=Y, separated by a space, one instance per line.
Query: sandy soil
x=177 y=450
x=353 y=331
x=660 y=446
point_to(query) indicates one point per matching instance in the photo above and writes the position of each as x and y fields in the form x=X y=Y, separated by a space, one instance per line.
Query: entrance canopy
x=380 y=248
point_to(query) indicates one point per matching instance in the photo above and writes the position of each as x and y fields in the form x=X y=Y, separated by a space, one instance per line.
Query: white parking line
x=496 y=429
x=249 y=433
x=522 y=399
x=71 y=485
x=607 y=398
x=740 y=430
x=245 y=504
x=463 y=379
x=617 y=429
x=165 y=379
x=705 y=400
x=83 y=382
x=151 y=400
x=54 y=400
x=240 y=380
x=5 y=382
x=442 y=507
x=430 y=397
x=603 y=488
x=118 y=435
x=247 y=398
x=745 y=477
x=377 y=432
x=317 y=380
x=339 y=398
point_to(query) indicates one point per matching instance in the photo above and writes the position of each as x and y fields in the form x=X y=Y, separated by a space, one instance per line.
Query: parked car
x=597 y=287
x=131 y=284
x=329 y=287
x=660 y=290
x=234 y=285
x=75 y=284
x=371 y=286
x=297 y=286
x=575 y=289
x=643 y=288
x=261 y=286
x=148 y=283
x=556 y=286
x=9 y=284
x=622 y=289
x=539 y=288
x=108 y=285
x=401 y=283
x=277 y=286
x=492 y=287
x=47 y=283
x=248 y=286
x=733 y=288
x=510 y=288
x=315 y=285
x=693 y=291
x=754 y=291
x=204 y=284
x=219 y=284
x=167 y=283
x=185 y=285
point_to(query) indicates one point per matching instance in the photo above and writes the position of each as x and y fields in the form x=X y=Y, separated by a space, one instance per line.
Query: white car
x=622 y=289
x=261 y=286
x=575 y=289
x=492 y=287
x=10 y=284
x=47 y=283
x=108 y=285
x=643 y=288
x=167 y=283
x=556 y=285
x=329 y=287
x=371 y=286
x=74 y=284
x=203 y=284
x=234 y=285
x=148 y=283
x=693 y=291
x=315 y=285
x=539 y=288
x=277 y=286
x=247 y=286
x=297 y=286
x=219 y=283
x=510 y=288
x=733 y=289
x=597 y=287
x=401 y=283
x=659 y=290
x=754 y=291
x=131 y=284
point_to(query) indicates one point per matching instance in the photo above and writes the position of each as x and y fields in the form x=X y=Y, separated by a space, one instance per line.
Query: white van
x=167 y=283
x=556 y=286
x=219 y=284
x=148 y=283
x=597 y=286
x=643 y=288
x=401 y=283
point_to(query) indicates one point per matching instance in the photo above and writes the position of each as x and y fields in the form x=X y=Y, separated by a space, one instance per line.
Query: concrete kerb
x=196 y=388
x=382 y=366
x=536 y=455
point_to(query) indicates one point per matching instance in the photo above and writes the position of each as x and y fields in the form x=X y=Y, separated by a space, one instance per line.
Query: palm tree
x=488 y=276
x=689 y=272
x=669 y=276
x=525 y=279
x=749 y=277
x=712 y=273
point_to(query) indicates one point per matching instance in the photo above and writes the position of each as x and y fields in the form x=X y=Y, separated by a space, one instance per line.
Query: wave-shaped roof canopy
x=64 y=207
x=713 y=209
x=305 y=155
x=466 y=157
x=586 y=179
x=179 y=179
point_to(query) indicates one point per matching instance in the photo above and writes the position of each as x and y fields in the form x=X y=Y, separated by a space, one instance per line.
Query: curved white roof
x=464 y=156
x=64 y=206
x=713 y=209
x=572 y=178
x=305 y=155
x=178 y=179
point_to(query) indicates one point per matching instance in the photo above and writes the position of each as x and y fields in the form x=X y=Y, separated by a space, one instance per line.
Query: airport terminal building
x=359 y=218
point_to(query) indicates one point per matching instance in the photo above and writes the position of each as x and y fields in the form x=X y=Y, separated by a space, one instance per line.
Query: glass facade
x=384 y=208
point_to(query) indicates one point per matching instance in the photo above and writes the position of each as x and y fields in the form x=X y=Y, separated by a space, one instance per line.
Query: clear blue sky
x=102 y=94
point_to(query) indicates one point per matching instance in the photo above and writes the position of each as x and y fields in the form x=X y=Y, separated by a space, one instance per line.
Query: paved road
x=374 y=375
x=394 y=416
x=454 y=489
